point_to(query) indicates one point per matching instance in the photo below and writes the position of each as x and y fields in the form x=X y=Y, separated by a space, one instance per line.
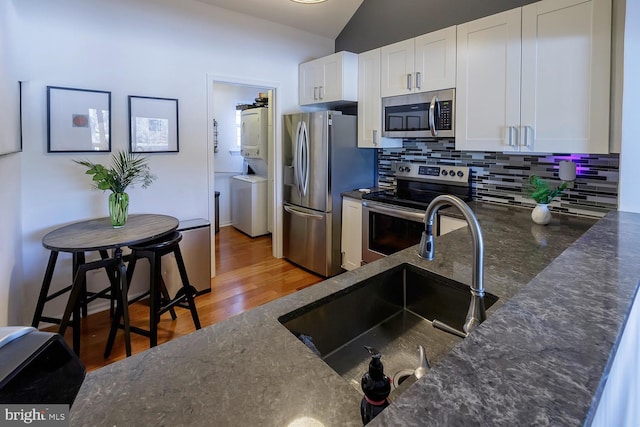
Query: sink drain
x=402 y=376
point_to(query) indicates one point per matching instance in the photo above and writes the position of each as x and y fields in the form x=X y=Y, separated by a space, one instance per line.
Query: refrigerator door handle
x=304 y=159
x=296 y=159
x=294 y=211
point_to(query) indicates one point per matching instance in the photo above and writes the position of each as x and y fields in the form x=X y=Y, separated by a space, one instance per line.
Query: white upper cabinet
x=436 y=60
x=536 y=79
x=330 y=79
x=488 y=82
x=369 y=103
x=566 y=54
x=421 y=64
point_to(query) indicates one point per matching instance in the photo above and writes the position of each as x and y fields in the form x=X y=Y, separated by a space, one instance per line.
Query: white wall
x=157 y=48
x=10 y=225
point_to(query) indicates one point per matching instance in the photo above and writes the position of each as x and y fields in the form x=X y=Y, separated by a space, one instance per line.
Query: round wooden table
x=96 y=235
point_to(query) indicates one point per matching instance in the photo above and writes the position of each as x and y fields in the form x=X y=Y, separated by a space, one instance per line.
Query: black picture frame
x=78 y=120
x=14 y=145
x=153 y=125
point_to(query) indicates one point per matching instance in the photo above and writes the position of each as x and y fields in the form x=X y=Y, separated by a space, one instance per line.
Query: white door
x=565 y=75
x=488 y=83
x=435 y=60
x=398 y=66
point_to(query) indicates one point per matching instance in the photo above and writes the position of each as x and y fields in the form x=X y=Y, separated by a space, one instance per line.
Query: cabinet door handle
x=320 y=92
x=525 y=138
x=510 y=138
x=375 y=137
x=418 y=80
x=315 y=93
x=409 y=81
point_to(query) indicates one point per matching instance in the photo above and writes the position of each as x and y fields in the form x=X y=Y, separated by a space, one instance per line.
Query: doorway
x=225 y=160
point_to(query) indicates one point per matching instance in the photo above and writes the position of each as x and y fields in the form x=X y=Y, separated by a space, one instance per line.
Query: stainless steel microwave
x=420 y=115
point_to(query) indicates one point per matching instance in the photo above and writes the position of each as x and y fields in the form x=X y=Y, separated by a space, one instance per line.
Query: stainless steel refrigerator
x=321 y=161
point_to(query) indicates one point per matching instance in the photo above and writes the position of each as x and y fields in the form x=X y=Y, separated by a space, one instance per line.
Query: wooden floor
x=247 y=276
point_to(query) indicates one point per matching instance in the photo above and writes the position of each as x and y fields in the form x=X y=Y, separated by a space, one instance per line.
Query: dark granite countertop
x=538 y=359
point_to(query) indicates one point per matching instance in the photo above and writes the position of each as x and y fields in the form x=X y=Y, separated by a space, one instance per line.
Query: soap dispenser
x=376 y=387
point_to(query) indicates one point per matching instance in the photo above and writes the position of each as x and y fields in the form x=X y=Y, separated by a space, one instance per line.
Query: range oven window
x=388 y=234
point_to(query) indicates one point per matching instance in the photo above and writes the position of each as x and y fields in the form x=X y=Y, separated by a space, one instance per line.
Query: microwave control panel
x=445 y=115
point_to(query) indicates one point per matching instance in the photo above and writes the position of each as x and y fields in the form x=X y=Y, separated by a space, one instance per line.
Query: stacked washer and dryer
x=249 y=192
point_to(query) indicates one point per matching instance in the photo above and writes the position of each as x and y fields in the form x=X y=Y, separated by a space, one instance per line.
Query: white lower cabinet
x=351 y=233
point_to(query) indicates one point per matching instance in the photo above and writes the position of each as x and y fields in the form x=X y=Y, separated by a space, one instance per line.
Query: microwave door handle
x=432 y=116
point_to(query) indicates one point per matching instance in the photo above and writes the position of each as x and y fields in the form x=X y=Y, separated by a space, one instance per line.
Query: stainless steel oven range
x=393 y=220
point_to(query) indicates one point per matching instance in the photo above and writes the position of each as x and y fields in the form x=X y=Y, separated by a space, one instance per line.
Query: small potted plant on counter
x=543 y=194
x=127 y=170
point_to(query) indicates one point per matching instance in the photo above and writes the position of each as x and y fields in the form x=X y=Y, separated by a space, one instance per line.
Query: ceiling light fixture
x=308 y=1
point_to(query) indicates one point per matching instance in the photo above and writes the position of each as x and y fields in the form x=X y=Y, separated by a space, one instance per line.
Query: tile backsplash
x=503 y=177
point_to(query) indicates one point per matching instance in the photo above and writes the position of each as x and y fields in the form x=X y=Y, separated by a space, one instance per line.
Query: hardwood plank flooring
x=247 y=276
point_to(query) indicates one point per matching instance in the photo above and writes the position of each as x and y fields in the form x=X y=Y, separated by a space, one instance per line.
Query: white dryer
x=249 y=204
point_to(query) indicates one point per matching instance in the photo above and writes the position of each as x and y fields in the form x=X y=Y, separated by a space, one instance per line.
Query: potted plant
x=543 y=194
x=127 y=169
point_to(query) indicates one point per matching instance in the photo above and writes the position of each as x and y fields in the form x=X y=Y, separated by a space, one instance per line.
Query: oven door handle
x=395 y=212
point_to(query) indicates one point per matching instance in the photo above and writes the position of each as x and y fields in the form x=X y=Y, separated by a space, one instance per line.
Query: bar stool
x=159 y=299
x=79 y=279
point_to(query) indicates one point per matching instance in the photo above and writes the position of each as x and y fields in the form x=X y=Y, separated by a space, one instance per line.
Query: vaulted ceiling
x=324 y=19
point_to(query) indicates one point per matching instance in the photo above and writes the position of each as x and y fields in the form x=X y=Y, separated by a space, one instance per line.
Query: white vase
x=541 y=214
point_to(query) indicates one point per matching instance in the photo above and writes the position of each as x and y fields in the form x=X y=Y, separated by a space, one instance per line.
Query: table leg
x=121 y=274
x=78 y=260
x=44 y=290
x=112 y=279
x=79 y=309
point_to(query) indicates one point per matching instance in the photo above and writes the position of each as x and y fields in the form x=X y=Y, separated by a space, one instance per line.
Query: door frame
x=275 y=153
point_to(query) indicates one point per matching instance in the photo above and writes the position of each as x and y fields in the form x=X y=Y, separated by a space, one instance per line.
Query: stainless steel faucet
x=476 y=313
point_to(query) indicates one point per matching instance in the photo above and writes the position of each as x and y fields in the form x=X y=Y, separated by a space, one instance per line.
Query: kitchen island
x=565 y=292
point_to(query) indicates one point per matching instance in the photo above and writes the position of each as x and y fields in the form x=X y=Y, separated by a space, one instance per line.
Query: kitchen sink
x=391 y=312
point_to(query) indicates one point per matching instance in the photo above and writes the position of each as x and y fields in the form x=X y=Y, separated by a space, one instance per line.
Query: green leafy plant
x=542 y=192
x=127 y=169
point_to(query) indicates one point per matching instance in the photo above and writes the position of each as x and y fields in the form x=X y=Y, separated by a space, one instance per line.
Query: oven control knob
x=443 y=173
x=401 y=169
x=452 y=173
x=460 y=174
x=407 y=169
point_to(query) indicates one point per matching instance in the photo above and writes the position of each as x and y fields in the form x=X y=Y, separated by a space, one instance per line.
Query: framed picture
x=78 y=120
x=153 y=124
x=12 y=118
